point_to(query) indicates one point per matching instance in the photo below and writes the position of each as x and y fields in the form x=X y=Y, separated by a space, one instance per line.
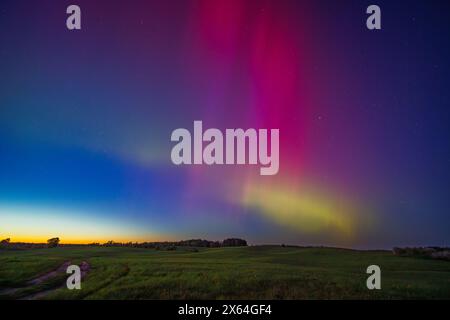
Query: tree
x=53 y=242
x=234 y=242
x=5 y=241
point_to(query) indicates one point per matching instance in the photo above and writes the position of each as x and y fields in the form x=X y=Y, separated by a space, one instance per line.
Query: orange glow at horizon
x=80 y=240
x=37 y=224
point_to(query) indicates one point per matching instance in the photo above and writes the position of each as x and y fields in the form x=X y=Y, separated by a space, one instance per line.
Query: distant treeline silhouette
x=231 y=242
x=165 y=245
x=441 y=253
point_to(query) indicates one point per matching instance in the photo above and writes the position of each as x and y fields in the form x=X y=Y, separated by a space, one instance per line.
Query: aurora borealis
x=86 y=118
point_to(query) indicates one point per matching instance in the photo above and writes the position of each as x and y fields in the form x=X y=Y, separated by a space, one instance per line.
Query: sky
x=86 y=118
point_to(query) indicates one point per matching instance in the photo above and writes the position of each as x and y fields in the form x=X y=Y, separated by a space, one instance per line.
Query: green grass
x=260 y=272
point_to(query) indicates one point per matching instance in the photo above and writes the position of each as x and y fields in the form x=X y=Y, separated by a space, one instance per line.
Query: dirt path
x=62 y=268
x=84 y=268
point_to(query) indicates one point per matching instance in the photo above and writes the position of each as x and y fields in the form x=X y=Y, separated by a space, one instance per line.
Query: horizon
x=86 y=122
x=102 y=242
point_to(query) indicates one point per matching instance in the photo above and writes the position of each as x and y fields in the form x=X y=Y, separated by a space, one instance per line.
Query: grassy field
x=259 y=272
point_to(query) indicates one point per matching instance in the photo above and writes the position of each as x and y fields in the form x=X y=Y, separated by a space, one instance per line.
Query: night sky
x=86 y=118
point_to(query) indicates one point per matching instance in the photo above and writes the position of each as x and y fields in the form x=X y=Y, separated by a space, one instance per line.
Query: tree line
x=169 y=245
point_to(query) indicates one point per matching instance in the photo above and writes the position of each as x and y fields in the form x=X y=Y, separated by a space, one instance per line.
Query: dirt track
x=42 y=278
